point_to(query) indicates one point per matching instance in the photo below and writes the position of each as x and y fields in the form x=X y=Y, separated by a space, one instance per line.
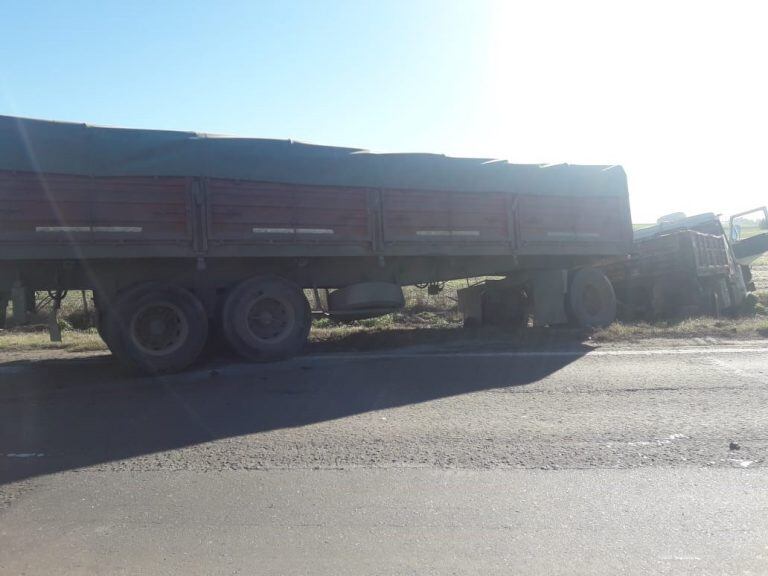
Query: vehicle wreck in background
x=176 y=231
x=685 y=266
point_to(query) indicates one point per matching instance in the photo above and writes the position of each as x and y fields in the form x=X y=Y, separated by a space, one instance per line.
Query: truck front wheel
x=591 y=299
x=158 y=328
x=266 y=318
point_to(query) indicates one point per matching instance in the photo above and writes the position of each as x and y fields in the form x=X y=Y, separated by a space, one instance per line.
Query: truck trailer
x=181 y=234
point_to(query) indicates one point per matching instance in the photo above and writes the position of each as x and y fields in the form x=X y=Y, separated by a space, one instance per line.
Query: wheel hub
x=592 y=301
x=270 y=319
x=159 y=328
x=265 y=318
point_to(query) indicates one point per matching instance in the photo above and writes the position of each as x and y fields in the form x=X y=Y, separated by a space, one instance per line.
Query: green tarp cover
x=69 y=148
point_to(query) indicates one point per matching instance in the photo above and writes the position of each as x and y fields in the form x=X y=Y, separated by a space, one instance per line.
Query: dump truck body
x=676 y=273
x=685 y=265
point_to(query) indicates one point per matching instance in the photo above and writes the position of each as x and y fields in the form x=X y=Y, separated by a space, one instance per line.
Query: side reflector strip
x=130 y=229
x=63 y=229
x=314 y=231
x=292 y=231
x=447 y=233
x=118 y=229
x=573 y=234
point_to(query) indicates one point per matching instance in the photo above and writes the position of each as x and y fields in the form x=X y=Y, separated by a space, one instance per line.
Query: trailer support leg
x=4 y=298
x=549 y=289
x=19 y=299
x=54 y=331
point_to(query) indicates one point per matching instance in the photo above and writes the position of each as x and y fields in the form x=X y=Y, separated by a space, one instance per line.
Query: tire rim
x=159 y=329
x=270 y=319
x=593 y=303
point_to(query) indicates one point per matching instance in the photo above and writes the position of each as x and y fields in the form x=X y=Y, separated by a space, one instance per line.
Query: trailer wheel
x=109 y=330
x=266 y=318
x=158 y=328
x=591 y=299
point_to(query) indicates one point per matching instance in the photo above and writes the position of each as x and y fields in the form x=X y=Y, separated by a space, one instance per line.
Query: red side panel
x=59 y=208
x=411 y=216
x=565 y=219
x=248 y=212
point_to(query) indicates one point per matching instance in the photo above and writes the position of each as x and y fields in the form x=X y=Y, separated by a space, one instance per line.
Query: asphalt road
x=457 y=461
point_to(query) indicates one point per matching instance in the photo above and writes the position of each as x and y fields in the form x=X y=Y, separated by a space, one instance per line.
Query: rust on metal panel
x=52 y=208
x=570 y=219
x=38 y=211
x=438 y=216
x=256 y=212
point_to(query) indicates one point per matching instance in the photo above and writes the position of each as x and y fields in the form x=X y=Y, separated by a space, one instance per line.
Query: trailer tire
x=591 y=301
x=109 y=330
x=157 y=328
x=266 y=318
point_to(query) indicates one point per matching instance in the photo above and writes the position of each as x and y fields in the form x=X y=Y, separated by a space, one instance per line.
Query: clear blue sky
x=673 y=91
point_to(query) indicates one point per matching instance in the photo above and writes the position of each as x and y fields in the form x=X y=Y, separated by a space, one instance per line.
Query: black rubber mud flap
x=266 y=318
x=591 y=299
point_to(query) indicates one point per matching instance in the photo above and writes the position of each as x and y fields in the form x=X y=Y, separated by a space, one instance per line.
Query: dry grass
x=434 y=319
x=754 y=327
x=72 y=341
x=760 y=273
x=422 y=323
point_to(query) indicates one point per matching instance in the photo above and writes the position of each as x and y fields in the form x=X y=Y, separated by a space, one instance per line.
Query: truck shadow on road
x=70 y=413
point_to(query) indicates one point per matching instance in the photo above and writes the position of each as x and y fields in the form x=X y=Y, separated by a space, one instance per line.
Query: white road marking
x=330 y=357
x=538 y=353
x=729 y=368
x=658 y=441
x=742 y=463
x=25 y=455
x=350 y=356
